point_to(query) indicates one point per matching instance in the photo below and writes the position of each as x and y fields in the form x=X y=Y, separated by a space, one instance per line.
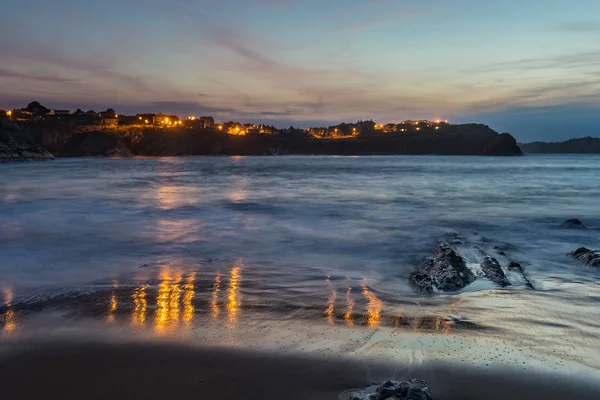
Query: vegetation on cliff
x=62 y=140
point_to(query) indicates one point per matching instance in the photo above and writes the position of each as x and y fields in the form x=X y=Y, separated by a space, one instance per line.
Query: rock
x=503 y=145
x=573 y=224
x=587 y=256
x=413 y=389
x=452 y=267
x=447 y=271
x=95 y=144
x=420 y=282
x=514 y=266
x=492 y=271
x=16 y=145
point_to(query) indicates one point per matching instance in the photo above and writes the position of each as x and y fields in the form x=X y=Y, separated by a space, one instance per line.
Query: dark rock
x=448 y=269
x=16 y=145
x=587 y=256
x=573 y=224
x=503 y=145
x=492 y=271
x=514 y=266
x=420 y=282
x=413 y=389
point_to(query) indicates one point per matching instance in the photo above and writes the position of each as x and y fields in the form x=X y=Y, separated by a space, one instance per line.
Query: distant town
x=111 y=119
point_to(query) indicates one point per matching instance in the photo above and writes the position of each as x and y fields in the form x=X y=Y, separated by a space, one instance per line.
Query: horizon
x=527 y=69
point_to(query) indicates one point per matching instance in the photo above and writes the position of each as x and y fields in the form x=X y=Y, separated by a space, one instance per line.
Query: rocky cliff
x=16 y=145
x=469 y=139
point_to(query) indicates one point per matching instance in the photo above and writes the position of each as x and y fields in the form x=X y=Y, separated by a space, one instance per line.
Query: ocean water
x=295 y=243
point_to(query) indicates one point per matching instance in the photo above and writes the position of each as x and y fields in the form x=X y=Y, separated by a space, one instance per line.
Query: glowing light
x=9 y=113
x=374 y=307
x=112 y=309
x=146 y=121
x=116 y=115
x=138 y=316
x=418 y=129
x=330 y=309
x=10 y=320
x=140 y=118
x=167 y=303
x=214 y=303
x=188 y=297
x=349 y=308
x=234 y=301
x=437 y=127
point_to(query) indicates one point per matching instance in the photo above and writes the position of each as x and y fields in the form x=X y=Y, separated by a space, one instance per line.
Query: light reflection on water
x=214 y=302
x=10 y=320
x=349 y=307
x=138 y=316
x=374 y=307
x=234 y=301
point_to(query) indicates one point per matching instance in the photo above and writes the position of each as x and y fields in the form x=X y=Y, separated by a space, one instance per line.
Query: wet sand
x=94 y=370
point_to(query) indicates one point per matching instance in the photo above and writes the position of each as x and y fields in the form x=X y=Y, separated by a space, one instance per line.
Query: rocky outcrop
x=573 y=224
x=587 y=256
x=413 y=389
x=446 y=270
x=95 y=144
x=16 y=145
x=503 y=145
x=458 y=262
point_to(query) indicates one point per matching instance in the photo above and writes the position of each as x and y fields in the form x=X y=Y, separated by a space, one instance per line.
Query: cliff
x=587 y=145
x=470 y=139
x=16 y=145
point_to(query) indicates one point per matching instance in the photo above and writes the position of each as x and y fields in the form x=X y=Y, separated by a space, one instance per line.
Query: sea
x=303 y=254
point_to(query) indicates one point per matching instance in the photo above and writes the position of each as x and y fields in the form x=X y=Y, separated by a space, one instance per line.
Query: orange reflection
x=112 y=309
x=167 y=302
x=329 y=311
x=374 y=307
x=234 y=300
x=214 y=303
x=349 y=308
x=140 y=303
x=10 y=322
x=188 y=298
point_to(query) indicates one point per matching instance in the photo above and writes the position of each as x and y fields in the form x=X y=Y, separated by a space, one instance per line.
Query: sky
x=528 y=67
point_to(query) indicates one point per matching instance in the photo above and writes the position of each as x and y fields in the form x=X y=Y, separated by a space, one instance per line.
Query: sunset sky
x=530 y=67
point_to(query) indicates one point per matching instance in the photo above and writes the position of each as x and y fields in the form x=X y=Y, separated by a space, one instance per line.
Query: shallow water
x=294 y=247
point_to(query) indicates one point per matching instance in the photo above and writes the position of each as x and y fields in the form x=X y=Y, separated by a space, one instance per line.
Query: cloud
x=7 y=73
x=579 y=27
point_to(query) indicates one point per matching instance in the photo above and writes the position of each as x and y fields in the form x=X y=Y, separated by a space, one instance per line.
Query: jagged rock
x=15 y=145
x=447 y=271
x=492 y=271
x=452 y=267
x=587 y=256
x=413 y=389
x=420 y=282
x=573 y=224
x=514 y=266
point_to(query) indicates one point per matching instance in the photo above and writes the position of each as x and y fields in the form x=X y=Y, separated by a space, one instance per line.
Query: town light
x=146 y=121
x=140 y=118
x=116 y=115
x=9 y=113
